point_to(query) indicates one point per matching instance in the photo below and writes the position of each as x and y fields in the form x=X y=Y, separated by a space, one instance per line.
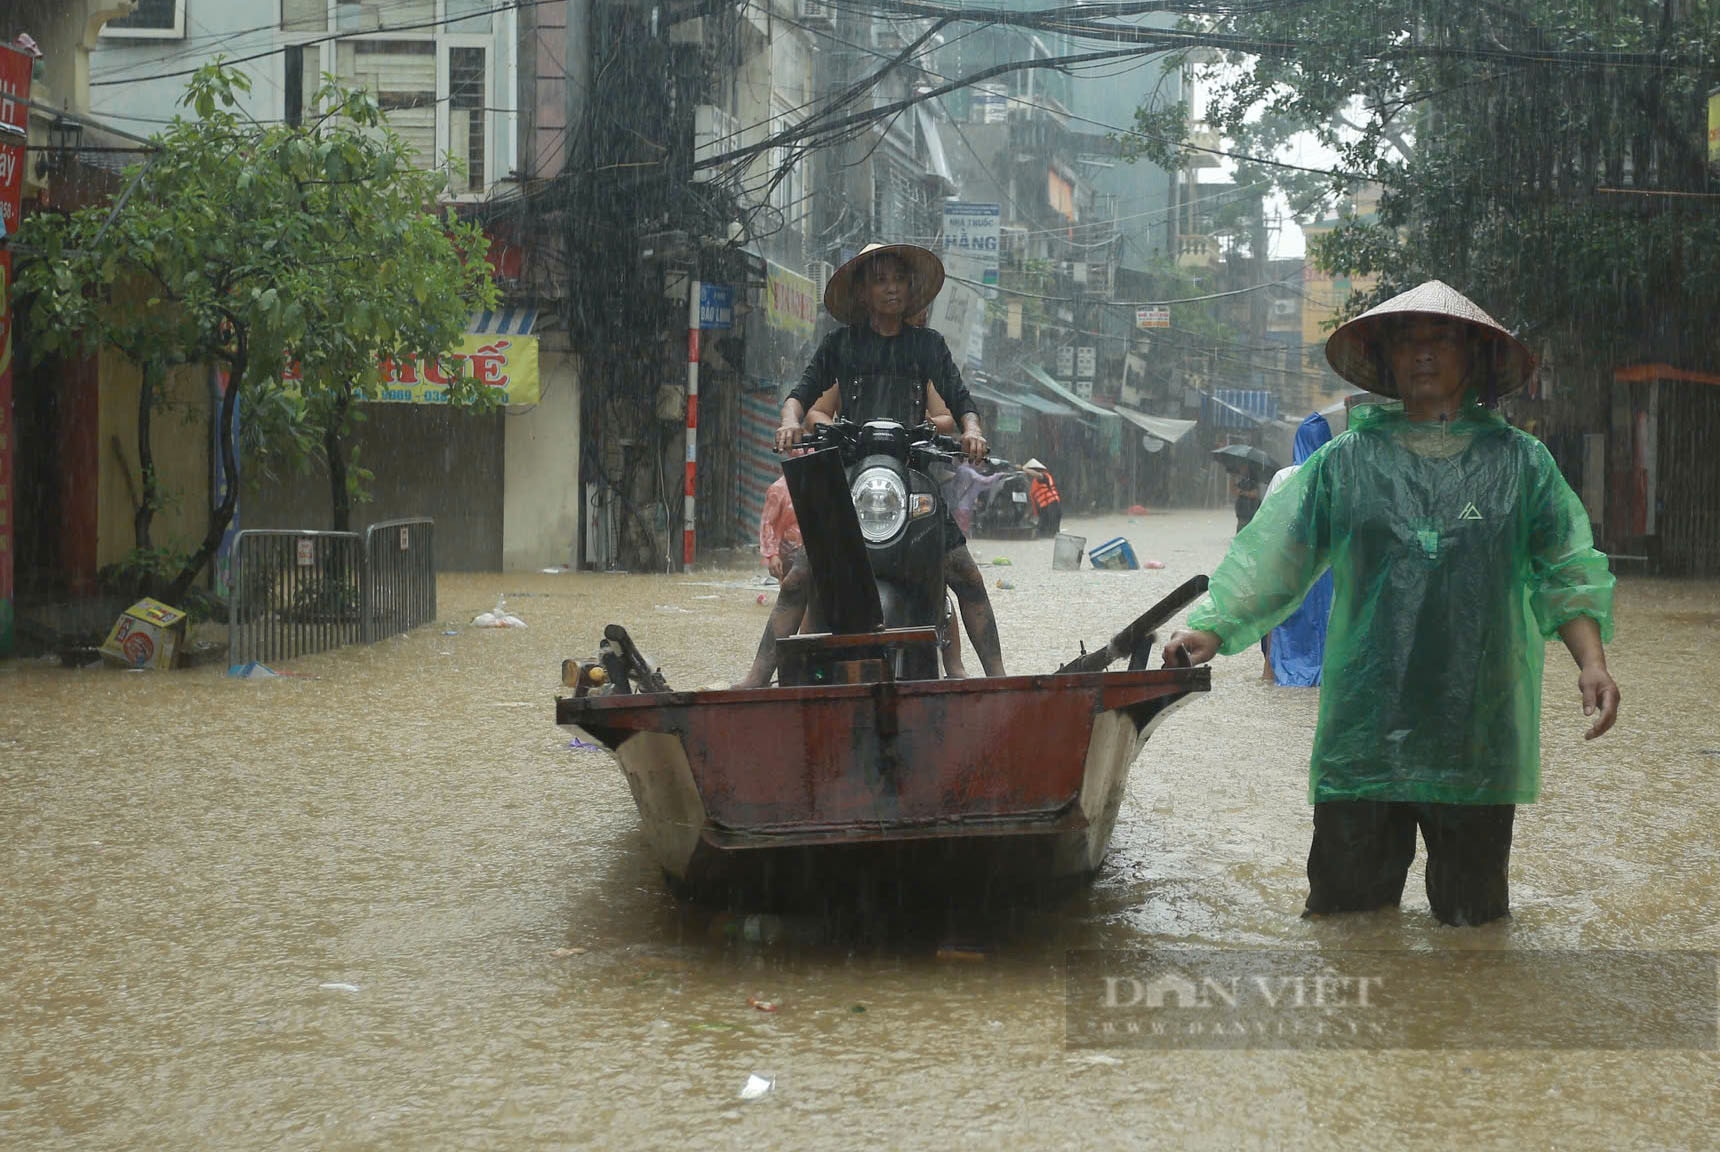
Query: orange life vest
x=1041 y=490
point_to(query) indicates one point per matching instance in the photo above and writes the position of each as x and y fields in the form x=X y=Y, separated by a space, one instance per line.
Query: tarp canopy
x=938 y=161
x=981 y=392
x=1165 y=428
x=1025 y=399
x=1042 y=378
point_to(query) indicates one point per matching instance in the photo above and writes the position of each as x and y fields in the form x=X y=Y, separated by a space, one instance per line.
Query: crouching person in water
x=1456 y=551
x=880 y=367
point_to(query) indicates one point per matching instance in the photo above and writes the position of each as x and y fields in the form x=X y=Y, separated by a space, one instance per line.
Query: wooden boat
x=947 y=784
x=1007 y=781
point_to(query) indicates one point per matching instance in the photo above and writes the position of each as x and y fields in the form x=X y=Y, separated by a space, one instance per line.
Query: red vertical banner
x=15 y=69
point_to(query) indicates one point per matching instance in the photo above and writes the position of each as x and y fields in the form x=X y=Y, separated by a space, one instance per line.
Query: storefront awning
x=1164 y=428
x=1041 y=405
x=510 y=321
x=981 y=392
x=1042 y=378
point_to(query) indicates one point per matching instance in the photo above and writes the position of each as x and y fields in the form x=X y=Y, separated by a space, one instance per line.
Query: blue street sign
x=716 y=305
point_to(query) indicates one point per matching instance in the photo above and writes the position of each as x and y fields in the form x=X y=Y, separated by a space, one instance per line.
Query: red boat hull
x=1019 y=774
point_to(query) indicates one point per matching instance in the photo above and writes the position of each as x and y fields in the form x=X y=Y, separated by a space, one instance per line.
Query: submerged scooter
x=1005 y=512
x=872 y=519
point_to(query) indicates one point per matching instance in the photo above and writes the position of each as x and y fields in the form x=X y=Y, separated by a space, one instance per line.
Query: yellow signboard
x=789 y=303
x=507 y=364
x=1714 y=127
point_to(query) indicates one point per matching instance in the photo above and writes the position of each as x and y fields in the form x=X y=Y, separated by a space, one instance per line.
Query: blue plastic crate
x=1114 y=554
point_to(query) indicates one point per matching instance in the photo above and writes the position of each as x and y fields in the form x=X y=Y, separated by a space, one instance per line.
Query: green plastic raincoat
x=1457 y=549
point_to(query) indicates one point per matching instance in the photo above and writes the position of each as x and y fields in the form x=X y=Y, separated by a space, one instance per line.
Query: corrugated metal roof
x=1239 y=407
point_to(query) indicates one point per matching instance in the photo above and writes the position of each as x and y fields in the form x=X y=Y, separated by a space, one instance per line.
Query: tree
x=1544 y=156
x=254 y=247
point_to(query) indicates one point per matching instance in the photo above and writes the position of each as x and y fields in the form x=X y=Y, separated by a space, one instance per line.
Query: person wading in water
x=1456 y=550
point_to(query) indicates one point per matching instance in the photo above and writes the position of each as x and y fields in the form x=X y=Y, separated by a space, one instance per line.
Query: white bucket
x=1066 y=555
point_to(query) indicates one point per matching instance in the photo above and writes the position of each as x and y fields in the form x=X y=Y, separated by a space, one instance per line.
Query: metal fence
x=299 y=592
x=400 y=583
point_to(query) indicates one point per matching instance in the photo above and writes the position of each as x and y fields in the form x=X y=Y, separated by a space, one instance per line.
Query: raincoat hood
x=1310 y=434
x=1356 y=349
x=844 y=300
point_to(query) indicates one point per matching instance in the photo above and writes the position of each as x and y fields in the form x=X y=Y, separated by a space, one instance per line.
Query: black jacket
x=914 y=353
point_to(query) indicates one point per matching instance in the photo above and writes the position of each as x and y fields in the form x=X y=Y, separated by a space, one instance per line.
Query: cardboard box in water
x=149 y=634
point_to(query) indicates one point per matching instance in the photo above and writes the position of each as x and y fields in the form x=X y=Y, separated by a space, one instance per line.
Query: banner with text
x=974 y=231
x=790 y=302
x=507 y=364
x=15 y=69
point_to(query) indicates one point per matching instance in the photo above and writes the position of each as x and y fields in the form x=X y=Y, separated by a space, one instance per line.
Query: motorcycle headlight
x=881 y=502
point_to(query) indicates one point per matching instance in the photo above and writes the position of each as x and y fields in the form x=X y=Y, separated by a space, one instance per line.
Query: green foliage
x=1517 y=162
x=260 y=246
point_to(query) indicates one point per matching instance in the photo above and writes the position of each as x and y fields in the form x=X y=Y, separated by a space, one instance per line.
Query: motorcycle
x=872 y=520
x=1006 y=513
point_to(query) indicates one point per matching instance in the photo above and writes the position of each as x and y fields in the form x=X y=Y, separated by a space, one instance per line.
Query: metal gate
x=299 y=592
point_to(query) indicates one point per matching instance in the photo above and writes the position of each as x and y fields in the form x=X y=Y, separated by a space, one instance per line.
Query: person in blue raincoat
x=1299 y=644
x=1456 y=550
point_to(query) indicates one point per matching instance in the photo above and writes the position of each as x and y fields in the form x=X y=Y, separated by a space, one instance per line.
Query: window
x=430 y=64
x=150 y=20
x=456 y=16
x=466 y=117
x=401 y=74
x=304 y=15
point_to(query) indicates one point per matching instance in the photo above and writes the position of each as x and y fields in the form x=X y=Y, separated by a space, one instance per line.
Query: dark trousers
x=1050 y=519
x=1363 y=848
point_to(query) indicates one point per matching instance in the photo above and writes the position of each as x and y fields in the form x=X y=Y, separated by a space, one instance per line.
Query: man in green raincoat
x=1457 y=550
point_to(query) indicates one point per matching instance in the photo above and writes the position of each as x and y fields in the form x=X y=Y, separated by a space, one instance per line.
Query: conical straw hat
x=1354 y=350
x=844 y=300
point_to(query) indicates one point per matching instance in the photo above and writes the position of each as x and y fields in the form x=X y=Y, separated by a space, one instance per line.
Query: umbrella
x=1244 y=458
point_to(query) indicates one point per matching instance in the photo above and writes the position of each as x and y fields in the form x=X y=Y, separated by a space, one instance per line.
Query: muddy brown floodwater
x=388 y=906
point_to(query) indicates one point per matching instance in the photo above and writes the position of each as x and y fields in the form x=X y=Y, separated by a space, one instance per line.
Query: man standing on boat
x=880 y=367
x=1456 y=550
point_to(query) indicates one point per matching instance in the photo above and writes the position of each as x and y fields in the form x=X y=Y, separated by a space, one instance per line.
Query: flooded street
x=389 y=906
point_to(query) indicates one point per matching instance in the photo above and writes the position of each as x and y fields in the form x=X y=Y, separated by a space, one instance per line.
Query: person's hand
x=775 y=566
x=974 y=445
x=1600 y=695
x=1185 y=649
x=788 y=436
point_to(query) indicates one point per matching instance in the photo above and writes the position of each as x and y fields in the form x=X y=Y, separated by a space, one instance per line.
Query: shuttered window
x=381 y=15
x=431 y=76
x=304 y=15
x=401 y=74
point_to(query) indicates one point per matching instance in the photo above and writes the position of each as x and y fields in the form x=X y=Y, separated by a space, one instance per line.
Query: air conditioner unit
x=816 y=13
x=820 y=272
x=1283 y=309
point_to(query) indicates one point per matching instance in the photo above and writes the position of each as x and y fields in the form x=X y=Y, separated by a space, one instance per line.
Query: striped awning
x=515 y=320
